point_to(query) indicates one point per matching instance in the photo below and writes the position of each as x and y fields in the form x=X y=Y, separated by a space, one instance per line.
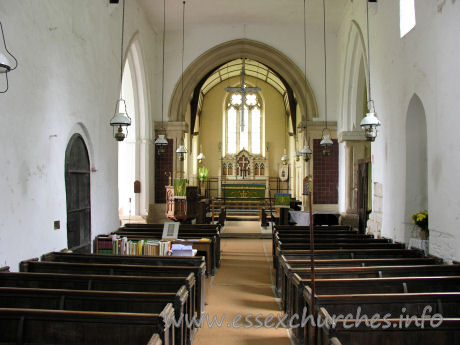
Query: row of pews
x=357 y=275
x=93 y=299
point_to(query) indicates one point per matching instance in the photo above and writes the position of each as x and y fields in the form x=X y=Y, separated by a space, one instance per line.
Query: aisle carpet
x=243 y=285
x=242 y=227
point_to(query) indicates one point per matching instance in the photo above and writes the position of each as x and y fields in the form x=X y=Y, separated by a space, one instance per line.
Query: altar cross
x=243 y=164
x=242 y=90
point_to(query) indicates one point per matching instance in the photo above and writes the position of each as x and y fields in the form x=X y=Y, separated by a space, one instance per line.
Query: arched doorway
x=77 y=182
x=416 y=163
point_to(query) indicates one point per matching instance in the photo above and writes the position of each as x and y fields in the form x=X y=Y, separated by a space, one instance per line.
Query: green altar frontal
x=243 y=190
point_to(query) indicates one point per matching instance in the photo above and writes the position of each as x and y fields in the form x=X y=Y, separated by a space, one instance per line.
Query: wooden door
x=363 y=194
x=77 y=182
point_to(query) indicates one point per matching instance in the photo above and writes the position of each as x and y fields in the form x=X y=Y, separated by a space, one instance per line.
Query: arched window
x=406 y=16
x=243 y=123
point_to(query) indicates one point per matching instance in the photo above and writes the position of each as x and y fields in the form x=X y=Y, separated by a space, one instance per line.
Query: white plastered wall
x=424 y=62
x=67 y=81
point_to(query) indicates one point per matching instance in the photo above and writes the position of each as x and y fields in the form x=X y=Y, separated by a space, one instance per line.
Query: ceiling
x=252 y=68
x=241 y=12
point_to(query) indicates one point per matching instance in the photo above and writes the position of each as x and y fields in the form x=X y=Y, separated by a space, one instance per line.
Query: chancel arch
x=221 y=54
x=416 y=163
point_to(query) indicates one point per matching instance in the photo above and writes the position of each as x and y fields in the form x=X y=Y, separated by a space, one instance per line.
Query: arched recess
x=243 y=48
x=133 y=152
x=78 y=196
x=416 y=162
x=355 y=79
x=355 y=176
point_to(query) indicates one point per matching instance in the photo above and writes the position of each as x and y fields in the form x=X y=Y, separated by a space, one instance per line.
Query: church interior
x=304 y=146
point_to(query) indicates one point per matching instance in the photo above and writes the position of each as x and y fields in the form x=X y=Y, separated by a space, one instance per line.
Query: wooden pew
x=101 y=301
x=193 y=261
x=359 y=286
x=446 y=334
x=212 y=254
x=286 y=264
x=294 y=288
x=349 y=254
x=120 y=270
x=343 y=254
x=319 y=247
x=445 y=303
x=106 y=283
x=56 y=327
x=184 y=229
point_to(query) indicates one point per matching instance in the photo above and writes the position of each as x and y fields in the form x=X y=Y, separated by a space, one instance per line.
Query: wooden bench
x=212 y=254
x=358 y=286
x=446 y=334
x=56 y=327
x=294 y=289
x=105 y=283
x=193 y=261
x=101 y=301
x=120 y=270
x=211 y=229
x=344 y=254
x=287 y=266
x=205 y=248
x=445 y=303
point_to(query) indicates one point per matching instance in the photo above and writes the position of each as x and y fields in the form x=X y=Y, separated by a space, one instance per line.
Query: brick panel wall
x=325 y=174
x=163 y=165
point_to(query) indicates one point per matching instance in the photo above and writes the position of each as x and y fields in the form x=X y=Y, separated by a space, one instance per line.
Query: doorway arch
x=78 y=197
x=416 y=163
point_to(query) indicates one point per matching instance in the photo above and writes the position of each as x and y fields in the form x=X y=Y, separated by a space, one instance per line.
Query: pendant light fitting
x=326 y=142
x=161 y=142
x=5 y=63
x=370 y=122
x=305 y=151
x=121 y=119
x=182 y=150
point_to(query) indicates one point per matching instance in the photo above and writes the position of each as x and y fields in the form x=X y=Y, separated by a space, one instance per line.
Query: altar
x=243 y=189
x=243 y=175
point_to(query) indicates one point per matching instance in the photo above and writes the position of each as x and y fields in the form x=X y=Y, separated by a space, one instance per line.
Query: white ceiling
x=241 y=12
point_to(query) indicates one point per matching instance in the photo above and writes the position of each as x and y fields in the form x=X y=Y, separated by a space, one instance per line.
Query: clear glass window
x=406 y=16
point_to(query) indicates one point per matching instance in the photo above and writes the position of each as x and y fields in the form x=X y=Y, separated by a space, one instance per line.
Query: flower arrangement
x=203 y=173
x=421 y=220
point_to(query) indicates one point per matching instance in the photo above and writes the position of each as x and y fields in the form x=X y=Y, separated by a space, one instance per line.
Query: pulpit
x=182 y=209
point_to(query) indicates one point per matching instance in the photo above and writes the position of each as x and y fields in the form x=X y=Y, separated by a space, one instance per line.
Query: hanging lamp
x=326 y=142
x=285 y=157
x=305 y=152
x=200 y=156
x=370 y=122
x=5 y=63
x=182 y=150
x=121 y=118
x=161 y=142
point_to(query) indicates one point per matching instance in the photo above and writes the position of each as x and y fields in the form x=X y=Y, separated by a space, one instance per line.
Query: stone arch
x=416 y=162
x=355 y=65
x=135 y=159
x=243 y=48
